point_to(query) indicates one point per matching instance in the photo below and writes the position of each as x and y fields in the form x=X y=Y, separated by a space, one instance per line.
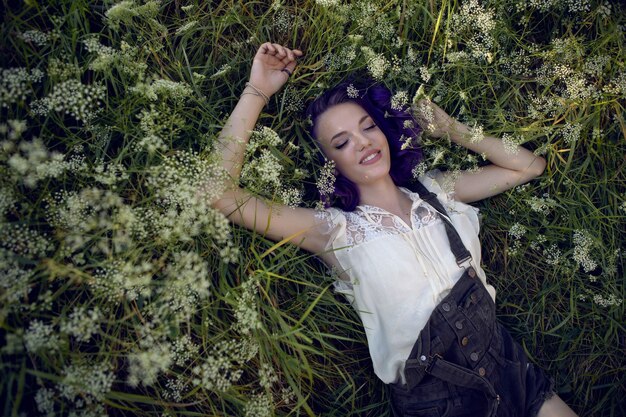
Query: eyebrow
x=343 y=131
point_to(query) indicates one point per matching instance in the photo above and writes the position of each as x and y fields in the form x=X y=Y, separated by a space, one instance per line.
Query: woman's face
x=348 y=135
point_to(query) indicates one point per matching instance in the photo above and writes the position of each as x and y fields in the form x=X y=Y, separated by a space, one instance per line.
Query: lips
x=369 y=154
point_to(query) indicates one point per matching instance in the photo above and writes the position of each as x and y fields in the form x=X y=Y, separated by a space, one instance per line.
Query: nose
x=365 y=141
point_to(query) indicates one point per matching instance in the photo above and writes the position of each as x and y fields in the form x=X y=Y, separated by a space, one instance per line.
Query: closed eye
x=342 y=144
x=370 y=127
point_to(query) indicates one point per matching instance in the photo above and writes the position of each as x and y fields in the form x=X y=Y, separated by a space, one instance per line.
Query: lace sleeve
x=332 y=223
x=440 y=183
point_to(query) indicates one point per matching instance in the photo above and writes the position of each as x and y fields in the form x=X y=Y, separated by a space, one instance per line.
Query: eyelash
x=344 y=143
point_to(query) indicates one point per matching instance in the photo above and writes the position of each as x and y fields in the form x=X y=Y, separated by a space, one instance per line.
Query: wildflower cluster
x=178 y=92
x=220 y=369
x=41 y=336
x=184 y=185
x=517 y=231
x=377 y=64
x=129 y=60
x=223 y=70
x=399 y=100
x=15 y=84
x=90 y=382
x=511 y=143
x=326 y=179
x=36 y=37
x=473 y=26
x=125 y=11
x=15 y=284
x=246 y=309
x=260 y=405
x=543 y=205
x=30 y=162
x=82 y=324
x=81 y=101
x=263 y=172
x=187 y=282
x=145 y=364
x=60 y=70
x=583 y=244
x=158 y=124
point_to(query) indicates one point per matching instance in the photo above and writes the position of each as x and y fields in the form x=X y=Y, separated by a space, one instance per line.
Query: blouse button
x=445 y=306
x=481 y=371
x=465 y=341
x=474 y=356
x=458 y=325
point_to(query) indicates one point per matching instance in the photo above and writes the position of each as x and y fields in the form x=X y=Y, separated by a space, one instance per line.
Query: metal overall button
x=471 y=272
x=445 y=307
x=474 y=356
x=481 y=371
x=458 y=325
x=465 y=341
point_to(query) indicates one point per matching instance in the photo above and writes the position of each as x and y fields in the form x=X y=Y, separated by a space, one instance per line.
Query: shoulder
x=438 y=182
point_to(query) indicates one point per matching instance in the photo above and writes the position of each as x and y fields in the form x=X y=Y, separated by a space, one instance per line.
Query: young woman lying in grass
x=407 y=251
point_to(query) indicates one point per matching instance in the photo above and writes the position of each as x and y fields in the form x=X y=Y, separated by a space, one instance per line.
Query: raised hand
x=433 y=119
x=272 y=66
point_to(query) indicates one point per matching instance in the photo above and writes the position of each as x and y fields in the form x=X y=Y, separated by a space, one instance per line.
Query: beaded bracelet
x=259 y=93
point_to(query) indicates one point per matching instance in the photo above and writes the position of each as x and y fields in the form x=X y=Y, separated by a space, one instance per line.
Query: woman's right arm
x=275 y=221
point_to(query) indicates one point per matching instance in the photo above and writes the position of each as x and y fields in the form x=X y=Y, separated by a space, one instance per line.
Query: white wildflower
x=186 y=27
x=82 y=324
x=571 y=132
x=35 y=36
x=352 y=91
x=145 y=365
x=609 y=301
x=267 y=376
x=511 y=144
x=223 y=70
x=326 y=179
x=260 y=405
x=45 y=401
x=377 y=64
x=399 y=100
x=219 y=370
x=40 y=336
x=517 y=231
x=246 y=308
x=552 y=255
x=81 y=101
x=90 y=382
x=476 y=133
x=15 y=84
x=583 y=244
x=425 y=73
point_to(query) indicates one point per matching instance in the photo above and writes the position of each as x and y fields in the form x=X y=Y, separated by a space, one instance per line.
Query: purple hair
x=376 y=100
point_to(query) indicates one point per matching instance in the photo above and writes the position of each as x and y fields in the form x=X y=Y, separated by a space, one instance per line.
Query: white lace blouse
x=394 y=274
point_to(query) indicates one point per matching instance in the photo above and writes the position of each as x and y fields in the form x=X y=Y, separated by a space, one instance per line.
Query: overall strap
x=456 y=244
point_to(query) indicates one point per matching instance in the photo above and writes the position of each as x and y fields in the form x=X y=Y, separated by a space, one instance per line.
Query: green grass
x=126 y=242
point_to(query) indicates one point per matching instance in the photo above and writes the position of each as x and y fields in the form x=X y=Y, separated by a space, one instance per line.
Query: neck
x=386 y=195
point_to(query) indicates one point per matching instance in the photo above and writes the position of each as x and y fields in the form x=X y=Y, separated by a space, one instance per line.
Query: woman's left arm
x=507 y=169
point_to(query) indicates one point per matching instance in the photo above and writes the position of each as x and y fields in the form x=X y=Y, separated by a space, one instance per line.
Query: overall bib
x=464 y=362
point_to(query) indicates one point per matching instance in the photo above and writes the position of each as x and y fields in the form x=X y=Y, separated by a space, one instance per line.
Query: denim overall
x=465 y=363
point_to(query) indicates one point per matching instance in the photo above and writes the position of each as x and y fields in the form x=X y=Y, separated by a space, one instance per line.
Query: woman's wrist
x=459 y=133
x=253 y=90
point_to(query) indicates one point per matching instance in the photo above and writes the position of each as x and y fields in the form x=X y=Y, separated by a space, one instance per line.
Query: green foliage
x=121 y=292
